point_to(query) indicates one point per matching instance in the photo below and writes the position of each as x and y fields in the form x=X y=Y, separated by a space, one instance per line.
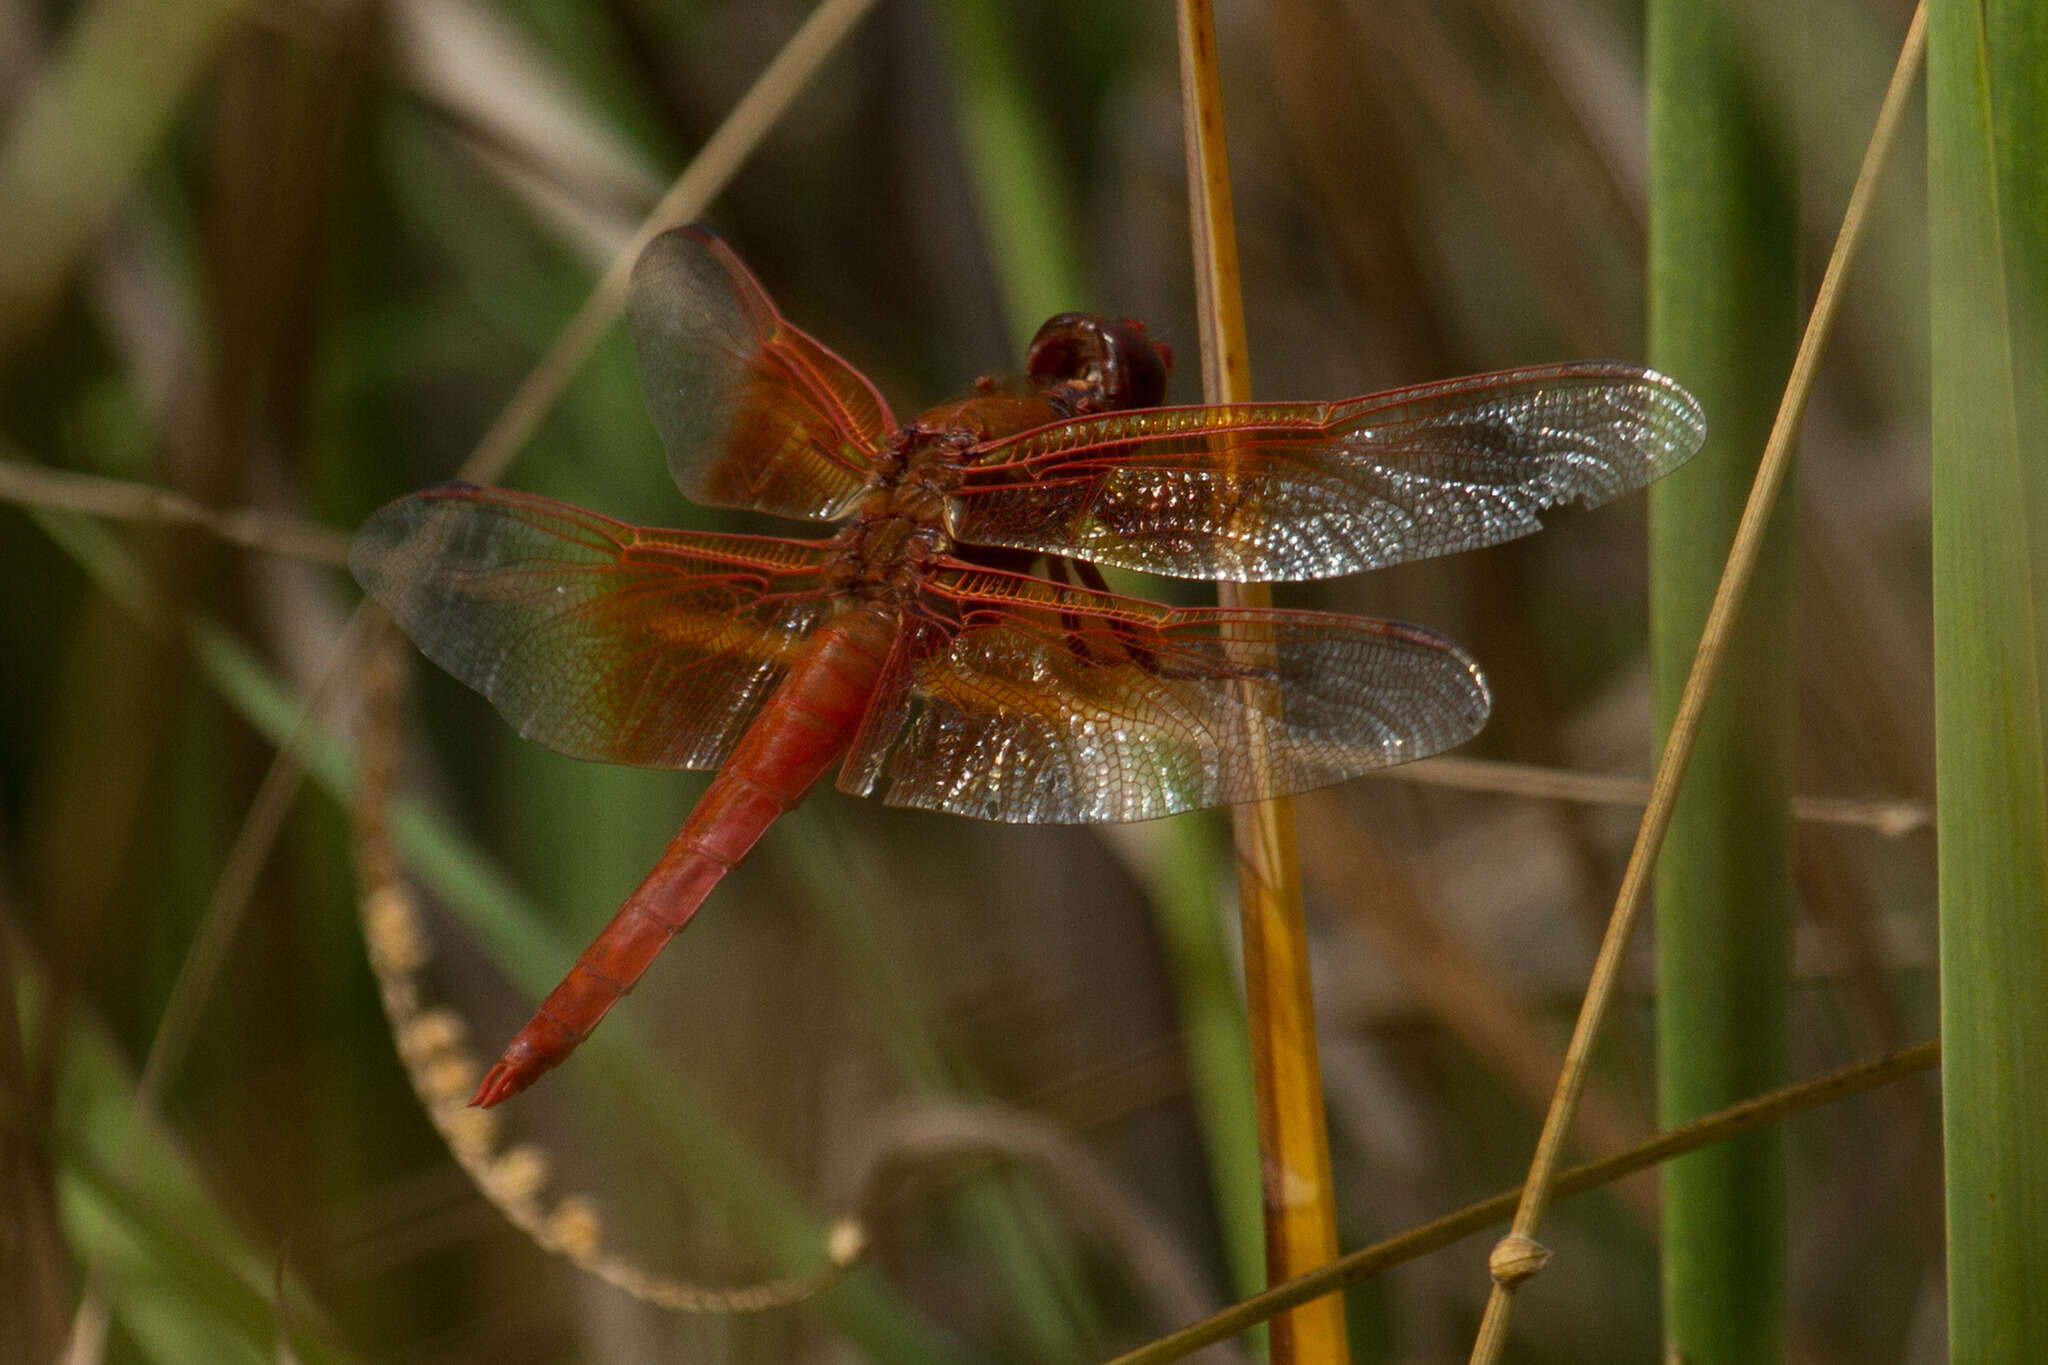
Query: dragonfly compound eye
x=1114 y=359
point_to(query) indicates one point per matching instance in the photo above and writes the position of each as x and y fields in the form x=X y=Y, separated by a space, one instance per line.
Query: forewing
x=597 y=639
x=1057 y=705
x=1311 y=490
x=753 y=412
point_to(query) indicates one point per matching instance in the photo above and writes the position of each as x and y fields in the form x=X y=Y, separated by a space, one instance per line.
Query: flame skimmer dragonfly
x=916 y=649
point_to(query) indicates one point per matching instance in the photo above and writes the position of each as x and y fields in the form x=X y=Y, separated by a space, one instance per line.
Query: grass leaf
x=1987 y=66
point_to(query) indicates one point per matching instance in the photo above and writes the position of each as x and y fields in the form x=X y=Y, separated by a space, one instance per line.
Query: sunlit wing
x=1310 y=490
x=1058 y=705
x=753 y=412
x=597 y=639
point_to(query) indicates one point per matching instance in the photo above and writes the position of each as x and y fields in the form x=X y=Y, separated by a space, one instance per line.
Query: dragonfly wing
x=1312 y=490
x=1045 y=704
x=597 y=639
x=754 y=413
x=889 y=709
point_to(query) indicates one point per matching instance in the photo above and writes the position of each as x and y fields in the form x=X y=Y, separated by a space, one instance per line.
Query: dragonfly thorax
x=882 y=552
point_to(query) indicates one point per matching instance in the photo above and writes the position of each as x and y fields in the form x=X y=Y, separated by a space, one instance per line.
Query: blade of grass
x=98 y=112
x=1027 y=215
x=1175 y=860
x=1723 y=296
x=185 y=1282
x=1294 y=1144
x=1987 y=197
x=1518 y=1256
x=1417 y=1242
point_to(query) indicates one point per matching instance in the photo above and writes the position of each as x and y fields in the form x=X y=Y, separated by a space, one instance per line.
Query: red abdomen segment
x=807 y=723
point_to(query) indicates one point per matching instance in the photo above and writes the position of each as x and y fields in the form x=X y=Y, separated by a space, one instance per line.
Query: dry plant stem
x=925 y=1133
x=1452 y=1227
x=1888 y=817
x=1300 y=1200
x=1770 y=473
x=721 y=155
x=41 y=486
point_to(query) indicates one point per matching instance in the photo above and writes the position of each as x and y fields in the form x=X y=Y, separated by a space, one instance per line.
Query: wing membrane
x=597 y=639
x=753 y=412
x=1039 y=703
x=1311 y=490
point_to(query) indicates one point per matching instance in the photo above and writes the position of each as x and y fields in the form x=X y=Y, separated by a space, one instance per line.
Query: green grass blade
x=1723 y=321
x=181 y=1279
x=1988 y=206
x=1026 y=210
x=97 y=113
x=1180 y=866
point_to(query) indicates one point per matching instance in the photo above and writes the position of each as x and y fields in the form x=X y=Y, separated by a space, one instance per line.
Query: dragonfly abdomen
x=806 y=723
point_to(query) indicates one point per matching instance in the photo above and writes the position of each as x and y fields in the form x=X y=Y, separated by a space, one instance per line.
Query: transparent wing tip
x=1678 y=422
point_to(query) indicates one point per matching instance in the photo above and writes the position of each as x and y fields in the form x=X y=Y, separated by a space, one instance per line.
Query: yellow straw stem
x=1299 y=1198
x=1438 y=1233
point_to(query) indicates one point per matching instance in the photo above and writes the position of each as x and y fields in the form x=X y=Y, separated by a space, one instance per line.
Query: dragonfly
x=955 y=646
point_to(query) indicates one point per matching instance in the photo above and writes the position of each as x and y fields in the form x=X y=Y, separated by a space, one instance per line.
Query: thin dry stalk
x=1890 y=817
x=1536 y=1191
x=251 y=528
x=1299 y=1195
x=1452 y=1227
x=926 y=1133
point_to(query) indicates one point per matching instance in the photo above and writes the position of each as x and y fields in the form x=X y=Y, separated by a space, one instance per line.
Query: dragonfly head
x=1103 y=365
